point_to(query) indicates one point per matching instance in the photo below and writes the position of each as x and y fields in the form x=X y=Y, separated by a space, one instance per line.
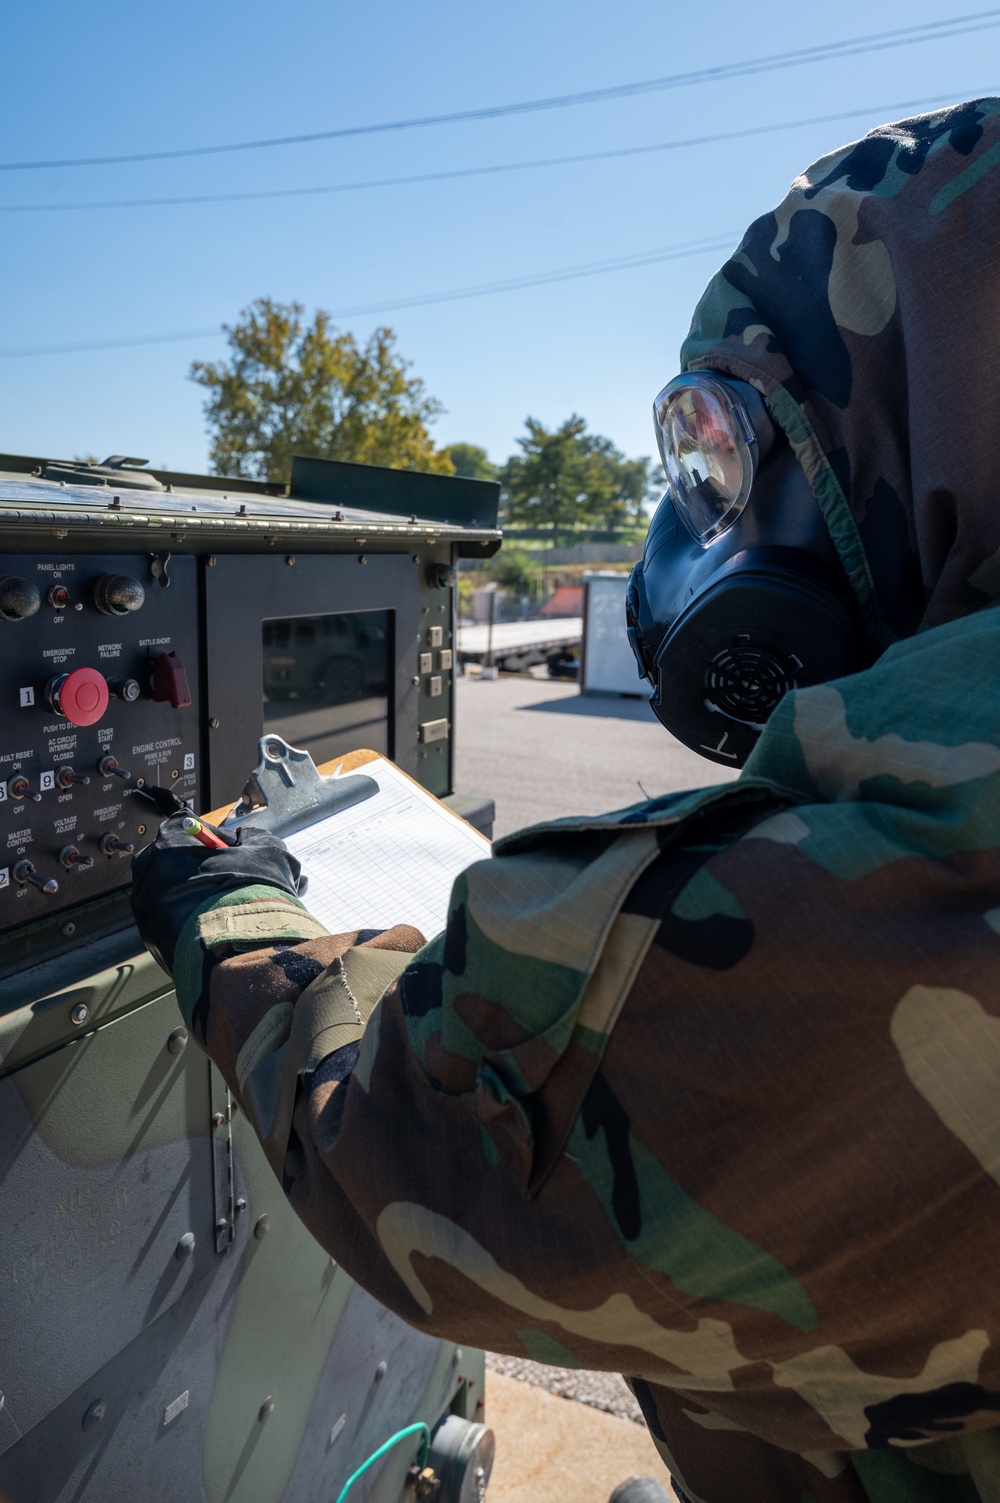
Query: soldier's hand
x=176 y=874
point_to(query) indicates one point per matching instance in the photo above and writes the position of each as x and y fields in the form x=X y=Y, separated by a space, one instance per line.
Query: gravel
x=605 y=1391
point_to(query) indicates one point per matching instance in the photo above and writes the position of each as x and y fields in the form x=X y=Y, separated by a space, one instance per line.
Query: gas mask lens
x=704 y=438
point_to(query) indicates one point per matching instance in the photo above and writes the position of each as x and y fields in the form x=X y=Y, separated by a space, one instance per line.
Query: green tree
x=471 y=461
x=621 y=486
x=514 y=570
x=291 y=388
x=567 y=479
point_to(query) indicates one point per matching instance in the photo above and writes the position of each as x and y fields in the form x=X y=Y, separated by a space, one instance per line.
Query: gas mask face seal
x=740 y=595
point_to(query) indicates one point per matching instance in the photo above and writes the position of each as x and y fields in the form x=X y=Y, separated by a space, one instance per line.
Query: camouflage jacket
x=706 y=1091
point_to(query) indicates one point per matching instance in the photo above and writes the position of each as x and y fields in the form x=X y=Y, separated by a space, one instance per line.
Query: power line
x=466 y=172
x=541 y=279
x=420 y=300
x=825 y=52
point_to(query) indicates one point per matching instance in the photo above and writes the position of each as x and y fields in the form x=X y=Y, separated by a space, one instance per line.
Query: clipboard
x=378 y=849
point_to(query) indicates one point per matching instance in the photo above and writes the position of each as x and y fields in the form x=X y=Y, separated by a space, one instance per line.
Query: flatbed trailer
x=520 y=644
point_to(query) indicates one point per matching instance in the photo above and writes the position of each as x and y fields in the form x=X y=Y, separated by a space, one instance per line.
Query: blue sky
x=110 y=78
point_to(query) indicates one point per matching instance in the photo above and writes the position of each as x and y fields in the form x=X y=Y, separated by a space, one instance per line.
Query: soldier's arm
x=678 y=1112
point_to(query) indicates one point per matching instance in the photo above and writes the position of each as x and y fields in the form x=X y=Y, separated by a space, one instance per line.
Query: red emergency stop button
x=81 y=696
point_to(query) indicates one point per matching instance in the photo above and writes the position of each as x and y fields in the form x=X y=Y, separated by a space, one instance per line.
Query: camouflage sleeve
x=269 y=993
x=748 y=1162
x=714 y=1111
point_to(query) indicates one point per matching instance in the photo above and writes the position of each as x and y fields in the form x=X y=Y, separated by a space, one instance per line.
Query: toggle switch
x=169 y=681
x=71 y=857
x=67 y=777
x=18 y=788
x=108 y=768
x=58 y=598
x=110 y=844
x=25 y=872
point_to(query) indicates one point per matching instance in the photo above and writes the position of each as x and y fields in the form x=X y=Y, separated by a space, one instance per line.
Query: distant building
x=566 y=601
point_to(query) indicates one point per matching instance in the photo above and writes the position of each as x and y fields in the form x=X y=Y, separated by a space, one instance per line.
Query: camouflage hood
x=865 y=309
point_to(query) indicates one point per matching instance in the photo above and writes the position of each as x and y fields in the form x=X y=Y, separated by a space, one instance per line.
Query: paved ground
x=542 y=749
x=549 y=1451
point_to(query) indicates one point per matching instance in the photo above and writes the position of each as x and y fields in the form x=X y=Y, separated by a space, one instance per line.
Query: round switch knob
x=81 y=697
x=18 y=598
x=118 y=594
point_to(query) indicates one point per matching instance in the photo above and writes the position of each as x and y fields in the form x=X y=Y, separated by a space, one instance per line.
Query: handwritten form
x=389 y=860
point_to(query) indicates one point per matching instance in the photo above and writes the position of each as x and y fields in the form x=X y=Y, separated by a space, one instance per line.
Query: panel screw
x=213 y=724
x=265 y=1409
x=241 y=1204
x=95 y=1414
x=68 y=930
x=218 y=1119
x=141 y=830
x=80 y=1013
x=415 y=680
x=221 y=1224
x=362 y=559
x=381 y=1371
x=212 y=561
x=185 y=1247
x=177 y=1040
x=289 y=559
x=262 y=1226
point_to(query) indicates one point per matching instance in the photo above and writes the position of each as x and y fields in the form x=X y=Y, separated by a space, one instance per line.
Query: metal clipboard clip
x=286 y=791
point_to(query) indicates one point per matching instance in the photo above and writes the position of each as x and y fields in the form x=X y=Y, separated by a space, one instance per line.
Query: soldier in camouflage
x=707 y=1091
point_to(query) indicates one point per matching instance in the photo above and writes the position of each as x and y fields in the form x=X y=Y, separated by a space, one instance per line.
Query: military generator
x=169 y=1332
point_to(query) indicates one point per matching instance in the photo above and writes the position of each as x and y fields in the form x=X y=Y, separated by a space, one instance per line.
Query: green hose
x=387 y=1446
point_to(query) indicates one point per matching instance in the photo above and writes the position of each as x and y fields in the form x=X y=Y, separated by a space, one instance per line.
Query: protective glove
x=176 y=874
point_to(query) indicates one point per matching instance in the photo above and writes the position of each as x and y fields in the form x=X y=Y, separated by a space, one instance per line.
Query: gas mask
x=740 y=595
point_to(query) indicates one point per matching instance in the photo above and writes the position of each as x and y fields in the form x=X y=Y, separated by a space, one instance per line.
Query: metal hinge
x=220 y=1127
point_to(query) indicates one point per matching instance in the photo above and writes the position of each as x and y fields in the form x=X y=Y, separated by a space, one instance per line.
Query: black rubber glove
x=176 y=874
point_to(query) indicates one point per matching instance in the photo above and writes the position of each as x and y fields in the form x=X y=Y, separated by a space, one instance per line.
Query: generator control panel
x=98 y=683
x=152 y=626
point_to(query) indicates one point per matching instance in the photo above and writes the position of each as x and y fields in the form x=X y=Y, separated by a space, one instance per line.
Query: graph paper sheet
x=389 y=860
